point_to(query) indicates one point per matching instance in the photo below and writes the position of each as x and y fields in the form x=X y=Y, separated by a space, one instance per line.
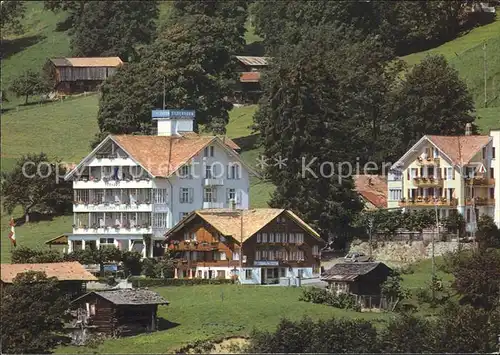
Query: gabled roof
x=66 y=271
x=253 y=61
x=372 y=188
x=457 y=149
x=461 y=149
x=162 y=156
x=84 y=62
x=228 y=222
x=350 y=271
x=250 y=77
x=59 y=240
x=131 y=297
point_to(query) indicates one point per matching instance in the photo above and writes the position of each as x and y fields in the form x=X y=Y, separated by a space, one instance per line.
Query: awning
x=60 y=240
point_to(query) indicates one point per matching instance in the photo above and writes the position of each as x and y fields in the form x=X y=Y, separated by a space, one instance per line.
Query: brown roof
x=460 y=149
x=372 y=188
x=87 y=61
x=250 y=77
x=228 y=222
x=350 y=271
x=67 y=271
x=129 y=296
x=163 y=155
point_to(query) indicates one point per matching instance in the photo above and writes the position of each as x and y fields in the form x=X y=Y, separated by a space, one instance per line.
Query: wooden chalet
x=248 y=90
x=77 y=75
x=120 y=312
x=72 y=276
x=259 y=246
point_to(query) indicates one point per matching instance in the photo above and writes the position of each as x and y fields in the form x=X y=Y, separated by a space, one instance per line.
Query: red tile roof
x=67 y=271
x=163 y=155
x=460 y=149
x=373 y=188
x=250 y=77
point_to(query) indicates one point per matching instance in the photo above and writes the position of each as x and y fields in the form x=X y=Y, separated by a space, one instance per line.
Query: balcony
x=427 y=181
x=176 y=245
x=480 y=181
x=213 y=205
x=480 y=201
x=428 y=162
x=213 y=182
x=138 y=229
x=428 y=202
x=84 y=183
x=79 y=206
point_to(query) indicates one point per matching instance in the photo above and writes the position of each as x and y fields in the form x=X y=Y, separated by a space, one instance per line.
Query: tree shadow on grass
x=164 y=324
x=11 y=47
x=248 y=142
x=34 y=218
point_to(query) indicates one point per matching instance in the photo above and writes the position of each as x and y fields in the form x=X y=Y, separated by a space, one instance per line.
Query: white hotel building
x=131 y=189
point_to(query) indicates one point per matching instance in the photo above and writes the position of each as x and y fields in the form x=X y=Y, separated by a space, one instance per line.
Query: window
x=259 y=238
x=248 y=274
x=222 y=256
x=492 y=173
x=395 y=194
x=492 y=152
x=231 y=195
x=291 y=238
x=484 y=152
x=160 y=196
x=182 y=215
x=106 y=241
x=492 y=192
x=233 y=171
x=413 y=173
x=282 y=272
x=82 y=196
x=258 y=255
x=160 y=220
x=315 y=250
x=208 y=151
x=281 y=220
x=209 y=194
x=278 y=237
x=284 y=238
x=208 y=172
x=264 y=237
x=236 y=255
x=185 y=172
x=186 y=195
x=187 y=236
x=221 y=274
x=271 y=237
x=299 y=237
x=450 y=174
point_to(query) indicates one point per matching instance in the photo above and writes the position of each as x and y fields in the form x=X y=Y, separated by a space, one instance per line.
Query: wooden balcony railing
x=480 y=181
x=193 y=246
x=428 y=202
x=427 y=181
x=428 y=161
x=480 y=201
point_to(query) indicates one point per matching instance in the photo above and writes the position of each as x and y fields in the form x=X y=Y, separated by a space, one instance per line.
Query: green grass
x=489 y=118
x=39 y=41
x=202 y=314
x=465 y=54
x=422 y=272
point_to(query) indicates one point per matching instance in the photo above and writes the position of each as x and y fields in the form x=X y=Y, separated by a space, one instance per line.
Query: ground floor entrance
x=271 y=275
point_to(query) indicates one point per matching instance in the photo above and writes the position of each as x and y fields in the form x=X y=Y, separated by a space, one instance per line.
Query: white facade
x=114 y=204
x=495 y=164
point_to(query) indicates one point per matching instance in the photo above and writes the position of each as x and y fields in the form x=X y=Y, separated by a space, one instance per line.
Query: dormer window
x=208 y=151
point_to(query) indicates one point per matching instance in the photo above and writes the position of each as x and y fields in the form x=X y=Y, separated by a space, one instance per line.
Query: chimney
x=468 y=129
x=173 y=122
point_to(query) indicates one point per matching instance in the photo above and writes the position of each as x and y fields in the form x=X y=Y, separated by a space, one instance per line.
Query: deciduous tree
x=11 y=13
x=488 y=233
x=33 y=314
x=36 y=184
x=30 y=83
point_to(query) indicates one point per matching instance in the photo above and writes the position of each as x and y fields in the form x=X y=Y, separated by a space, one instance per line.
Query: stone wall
x=407 y=252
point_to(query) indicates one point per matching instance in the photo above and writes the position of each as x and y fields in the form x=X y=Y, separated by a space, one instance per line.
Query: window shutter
x=180 y=195
x=239 y=196
x=191 y=193
x=214 y=195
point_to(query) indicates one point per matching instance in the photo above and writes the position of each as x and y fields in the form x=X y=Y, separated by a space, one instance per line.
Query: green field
x=214 y=312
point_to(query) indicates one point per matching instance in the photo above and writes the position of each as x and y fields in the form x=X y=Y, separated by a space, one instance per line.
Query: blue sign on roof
x=173 y=113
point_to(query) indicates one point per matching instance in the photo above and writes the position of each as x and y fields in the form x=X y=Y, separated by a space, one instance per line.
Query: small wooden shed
x=76 y=75
x=118 y=312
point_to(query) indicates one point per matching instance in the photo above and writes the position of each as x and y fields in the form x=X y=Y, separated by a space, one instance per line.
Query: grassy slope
x=466 y=55
x=242 y=309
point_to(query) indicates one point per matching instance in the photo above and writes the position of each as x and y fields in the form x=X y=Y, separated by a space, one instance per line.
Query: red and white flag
x=12 y=233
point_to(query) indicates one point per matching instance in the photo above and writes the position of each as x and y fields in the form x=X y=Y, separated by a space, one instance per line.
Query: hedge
x=151 y=282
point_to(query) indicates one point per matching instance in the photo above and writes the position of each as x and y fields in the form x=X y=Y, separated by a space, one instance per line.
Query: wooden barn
x=358 y=278
x=72 y=276
x=120 y=312
x=248 y=90
x=77 y=75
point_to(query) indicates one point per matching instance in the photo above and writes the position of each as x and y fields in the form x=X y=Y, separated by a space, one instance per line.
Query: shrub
x=322 y=296
x=156 y=282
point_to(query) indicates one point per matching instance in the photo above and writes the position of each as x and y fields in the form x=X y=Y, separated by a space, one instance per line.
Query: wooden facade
x=278 y=243
x=121 y=312
x=69 y=78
